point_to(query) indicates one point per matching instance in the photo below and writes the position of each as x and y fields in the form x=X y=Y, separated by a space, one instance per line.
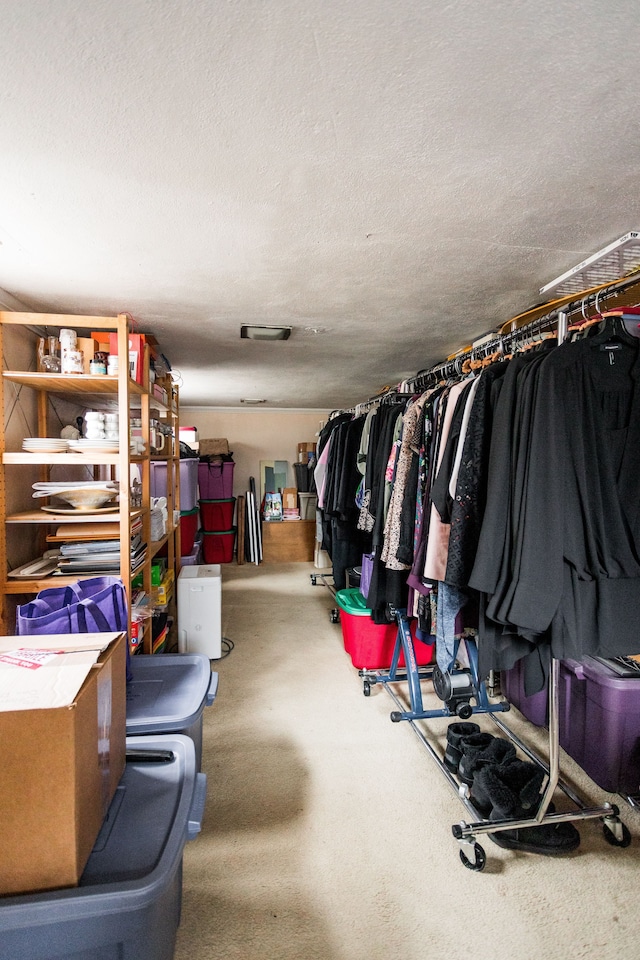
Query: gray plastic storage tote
x=168 y=694
x=127 y=905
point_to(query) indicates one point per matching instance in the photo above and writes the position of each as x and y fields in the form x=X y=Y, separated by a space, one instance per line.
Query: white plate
x=45 y=449
x=96 y=449
x=75 y=513
x=101 y=441
x=35 y=568
x=45 y=443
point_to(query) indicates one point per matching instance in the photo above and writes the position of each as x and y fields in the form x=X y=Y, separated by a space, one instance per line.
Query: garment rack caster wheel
x=480 y=858
x=615 y=832
x=468 y=847
x=314 y=580
x=366 y=688
x=396 y=716
x=334 y=616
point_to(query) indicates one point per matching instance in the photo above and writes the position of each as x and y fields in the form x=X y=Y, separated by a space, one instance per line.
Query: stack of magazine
x=100 y=556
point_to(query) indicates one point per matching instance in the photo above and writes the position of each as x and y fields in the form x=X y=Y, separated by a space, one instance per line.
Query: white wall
x=256 y=435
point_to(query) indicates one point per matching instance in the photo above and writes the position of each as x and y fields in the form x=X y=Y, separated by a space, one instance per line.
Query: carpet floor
x=327 y=830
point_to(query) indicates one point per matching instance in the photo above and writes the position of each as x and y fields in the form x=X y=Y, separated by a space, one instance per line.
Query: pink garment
x=435 y=563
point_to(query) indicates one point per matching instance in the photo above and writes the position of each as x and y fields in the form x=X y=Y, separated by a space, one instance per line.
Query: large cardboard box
x=60 y=765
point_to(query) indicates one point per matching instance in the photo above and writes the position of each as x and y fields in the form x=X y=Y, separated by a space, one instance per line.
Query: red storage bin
x=217 y=514
x=217 y=545
x=188 y=529
x=215 y=480
x=370 y=645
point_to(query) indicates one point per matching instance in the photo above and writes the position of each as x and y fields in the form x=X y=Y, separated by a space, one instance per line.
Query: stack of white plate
x=94 y=446
x=45 y=445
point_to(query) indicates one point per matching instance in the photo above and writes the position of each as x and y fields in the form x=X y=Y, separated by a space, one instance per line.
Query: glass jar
x=72 y=361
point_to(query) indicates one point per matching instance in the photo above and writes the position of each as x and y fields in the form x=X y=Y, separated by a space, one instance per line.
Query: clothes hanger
x=611 y=329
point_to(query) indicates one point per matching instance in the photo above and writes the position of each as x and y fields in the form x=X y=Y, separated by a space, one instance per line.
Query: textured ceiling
x=390 y=179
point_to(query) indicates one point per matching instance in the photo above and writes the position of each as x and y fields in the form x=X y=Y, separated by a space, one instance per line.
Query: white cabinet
x=199 y=610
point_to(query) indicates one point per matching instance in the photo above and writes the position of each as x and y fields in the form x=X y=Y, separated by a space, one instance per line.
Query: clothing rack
x=472 y=854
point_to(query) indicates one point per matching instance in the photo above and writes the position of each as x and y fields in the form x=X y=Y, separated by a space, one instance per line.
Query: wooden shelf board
x=50 y=459
x=34 y=586
x=64 y=383
x=40 y=516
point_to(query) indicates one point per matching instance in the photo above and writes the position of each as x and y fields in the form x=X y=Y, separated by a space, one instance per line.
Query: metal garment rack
x=472 y=854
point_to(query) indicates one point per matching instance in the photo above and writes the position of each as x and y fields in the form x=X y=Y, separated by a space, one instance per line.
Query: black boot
x=512 y=792
x=456 y=732
x=471 y=747
x=499 y=751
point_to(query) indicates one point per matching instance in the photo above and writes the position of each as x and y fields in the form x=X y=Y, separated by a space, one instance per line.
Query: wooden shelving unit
x=116 y=393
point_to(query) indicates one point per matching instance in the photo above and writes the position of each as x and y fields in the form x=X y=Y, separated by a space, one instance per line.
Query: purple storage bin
x=188 y=482
x=194 y=557
x=533 y=707
x=600 y=723
x=216 y=480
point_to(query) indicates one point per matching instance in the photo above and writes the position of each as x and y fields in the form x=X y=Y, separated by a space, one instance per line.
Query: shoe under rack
x=471 y=852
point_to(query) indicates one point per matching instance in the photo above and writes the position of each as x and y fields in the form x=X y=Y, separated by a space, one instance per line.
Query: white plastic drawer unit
x=199 y=610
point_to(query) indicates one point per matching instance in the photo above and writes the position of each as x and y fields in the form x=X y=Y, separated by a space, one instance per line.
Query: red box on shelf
x=370 y=645
x=217 y=545
x=136 y=353
x=217 y=514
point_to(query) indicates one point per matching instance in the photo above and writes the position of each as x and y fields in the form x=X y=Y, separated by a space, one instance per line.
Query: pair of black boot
x=502 y=787
x=468 y=750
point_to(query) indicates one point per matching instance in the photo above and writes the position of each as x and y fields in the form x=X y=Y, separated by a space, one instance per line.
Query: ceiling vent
x=611 y=263
x=257 y=332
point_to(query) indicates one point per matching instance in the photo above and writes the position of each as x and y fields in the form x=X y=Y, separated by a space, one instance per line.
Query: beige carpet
x=327 y=832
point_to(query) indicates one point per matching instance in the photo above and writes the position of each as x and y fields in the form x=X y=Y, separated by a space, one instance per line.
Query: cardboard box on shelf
x=62 y=727
x=102 y=339
x=306 y=451
x=164 y=591
x=290 y=498
x=87 y=347
x=136 y=353
x=214 y=446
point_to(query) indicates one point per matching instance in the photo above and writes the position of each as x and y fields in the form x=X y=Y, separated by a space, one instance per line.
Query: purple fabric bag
x=365 y=575
x=95 y=605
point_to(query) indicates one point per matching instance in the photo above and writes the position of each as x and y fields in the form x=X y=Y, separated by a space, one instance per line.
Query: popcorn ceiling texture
x=402 y=176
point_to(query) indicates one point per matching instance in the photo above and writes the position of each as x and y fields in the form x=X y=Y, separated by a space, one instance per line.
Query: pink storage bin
x=216 y=480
